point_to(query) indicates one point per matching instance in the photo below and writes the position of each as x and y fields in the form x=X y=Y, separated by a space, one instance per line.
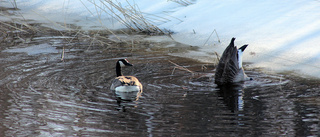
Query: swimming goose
x=229 y=69
x=125 y=87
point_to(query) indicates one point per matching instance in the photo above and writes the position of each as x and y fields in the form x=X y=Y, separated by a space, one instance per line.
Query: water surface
x=59 y=86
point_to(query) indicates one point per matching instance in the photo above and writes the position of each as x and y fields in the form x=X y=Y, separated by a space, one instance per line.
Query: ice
x=282 y=35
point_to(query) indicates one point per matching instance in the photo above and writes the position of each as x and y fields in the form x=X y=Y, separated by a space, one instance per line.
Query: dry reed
x=181 y=68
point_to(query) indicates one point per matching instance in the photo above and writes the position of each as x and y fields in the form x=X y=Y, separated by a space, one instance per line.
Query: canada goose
x=229 y=69
x=125 y=87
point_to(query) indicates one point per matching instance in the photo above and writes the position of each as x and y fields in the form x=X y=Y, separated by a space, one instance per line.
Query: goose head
x=123 y=63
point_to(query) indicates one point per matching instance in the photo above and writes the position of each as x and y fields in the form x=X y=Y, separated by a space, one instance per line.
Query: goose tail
x=240 y=53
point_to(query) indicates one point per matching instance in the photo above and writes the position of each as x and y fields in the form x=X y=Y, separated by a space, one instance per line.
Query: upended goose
x=126 y=88
x=229 y=69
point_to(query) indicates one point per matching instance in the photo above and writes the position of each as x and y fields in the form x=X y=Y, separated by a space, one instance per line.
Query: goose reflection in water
x=232 y=96
x=125 y=97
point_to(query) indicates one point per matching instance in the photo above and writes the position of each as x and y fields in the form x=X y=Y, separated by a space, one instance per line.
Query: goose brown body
x=125 y=81
x=125 y=87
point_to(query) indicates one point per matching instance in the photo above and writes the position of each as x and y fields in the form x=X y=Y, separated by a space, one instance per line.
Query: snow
x=282 y=35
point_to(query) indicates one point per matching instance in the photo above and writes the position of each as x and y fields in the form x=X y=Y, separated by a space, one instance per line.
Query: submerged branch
x=180 y=67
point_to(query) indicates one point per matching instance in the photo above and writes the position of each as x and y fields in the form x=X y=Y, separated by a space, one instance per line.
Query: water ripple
x=44 y=96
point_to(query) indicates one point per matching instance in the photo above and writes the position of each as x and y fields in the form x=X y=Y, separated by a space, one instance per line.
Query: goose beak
x=128 y=64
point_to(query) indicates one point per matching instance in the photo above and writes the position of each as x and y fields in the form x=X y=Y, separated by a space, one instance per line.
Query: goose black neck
x=118 y=70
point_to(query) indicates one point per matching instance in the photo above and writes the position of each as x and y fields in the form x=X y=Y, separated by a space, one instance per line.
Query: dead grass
x=130 y=16
x=181 y=68
x=182 y=2
x=214 y=31
x=16 y=31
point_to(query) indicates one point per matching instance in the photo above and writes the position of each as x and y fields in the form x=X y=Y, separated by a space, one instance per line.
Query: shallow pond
x=59 y=86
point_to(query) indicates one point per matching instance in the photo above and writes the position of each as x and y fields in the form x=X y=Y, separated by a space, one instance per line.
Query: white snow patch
x=282 y=35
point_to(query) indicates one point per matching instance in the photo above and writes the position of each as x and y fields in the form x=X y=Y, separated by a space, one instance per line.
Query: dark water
x=41 y=95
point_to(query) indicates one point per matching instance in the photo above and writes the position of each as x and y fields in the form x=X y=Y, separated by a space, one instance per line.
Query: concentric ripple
x=41 y=95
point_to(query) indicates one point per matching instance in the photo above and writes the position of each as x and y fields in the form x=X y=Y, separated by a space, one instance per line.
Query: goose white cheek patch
x=121 y=64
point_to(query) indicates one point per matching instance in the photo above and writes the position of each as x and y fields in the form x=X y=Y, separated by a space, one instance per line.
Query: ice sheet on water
x=35 y=49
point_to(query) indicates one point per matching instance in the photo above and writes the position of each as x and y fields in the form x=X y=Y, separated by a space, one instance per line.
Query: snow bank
x=282 y=35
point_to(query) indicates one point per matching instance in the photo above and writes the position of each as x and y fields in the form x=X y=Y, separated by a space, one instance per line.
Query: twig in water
x=203 y=67
x=217 y=36
x=180 y=67
x=218 y=57
x=208 y=38
x=132 y=46
x=62 y=54
x=211 y=35
x=13 y=27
